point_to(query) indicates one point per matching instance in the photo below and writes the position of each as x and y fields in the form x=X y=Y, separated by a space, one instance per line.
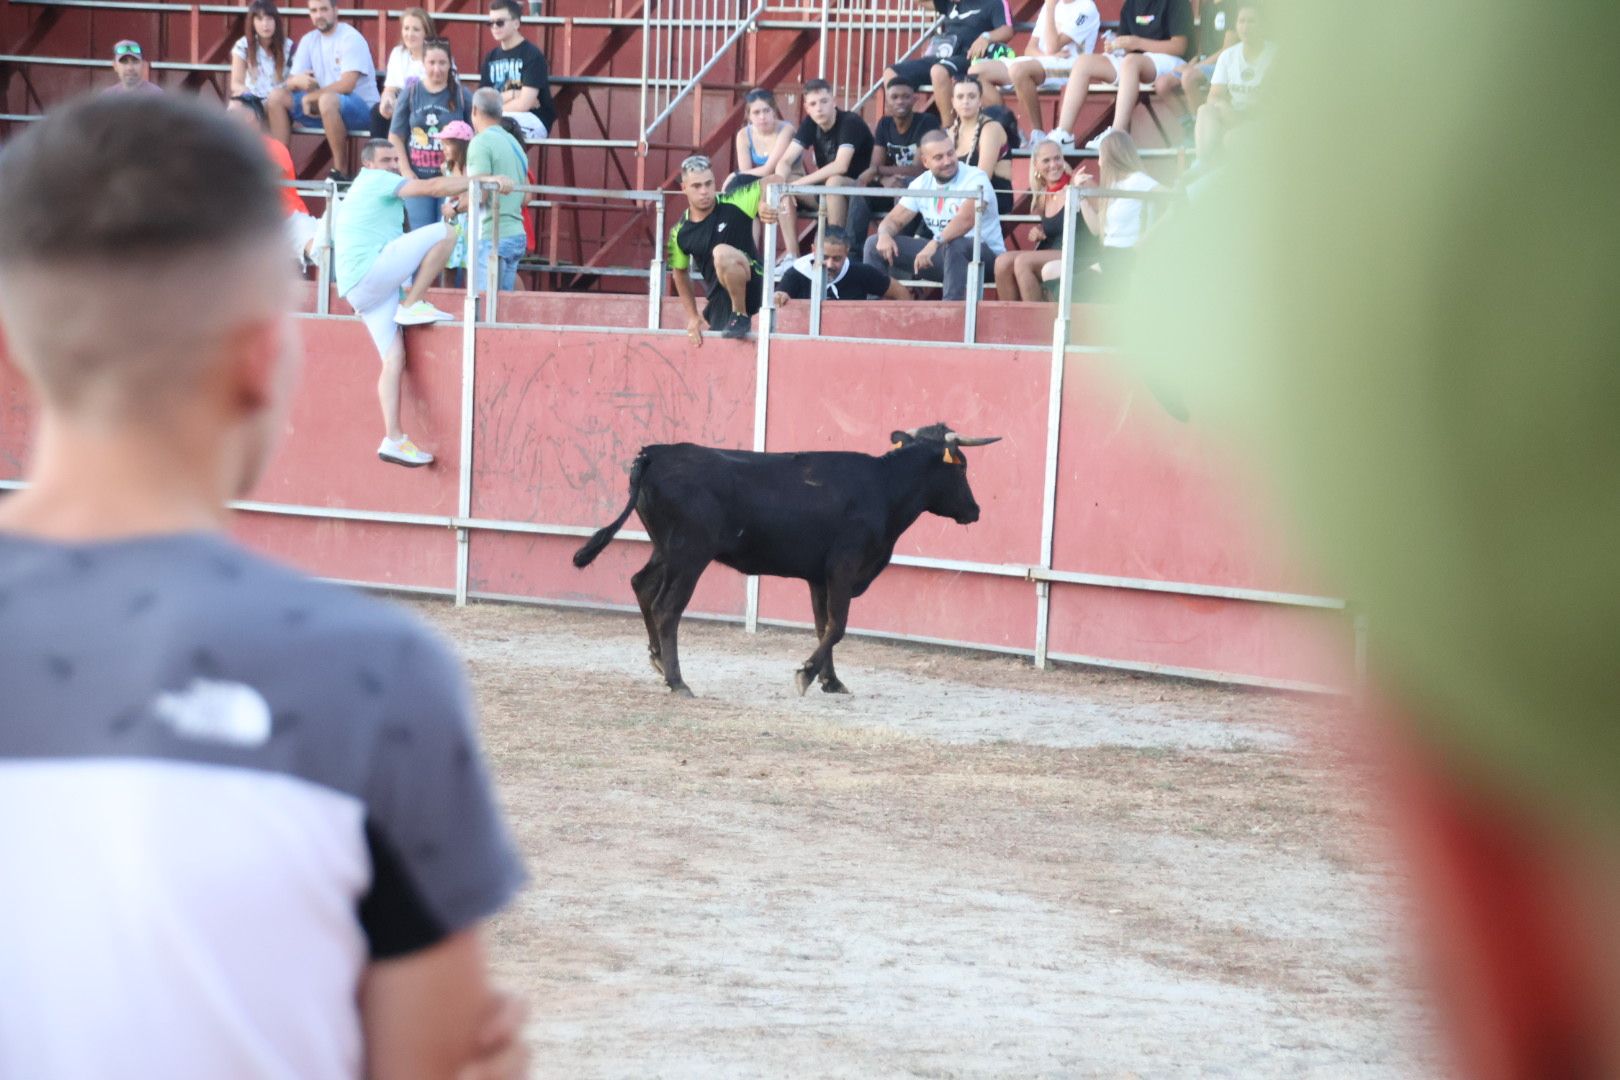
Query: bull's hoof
x=802 y=679
x=833 y=686
x=682 y=691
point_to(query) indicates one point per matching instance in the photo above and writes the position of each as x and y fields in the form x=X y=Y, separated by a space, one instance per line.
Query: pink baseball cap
x=457 y=129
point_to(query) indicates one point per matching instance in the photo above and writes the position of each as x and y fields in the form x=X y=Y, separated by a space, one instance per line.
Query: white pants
x=375 y=297
x=533 y=127
x=300 y=231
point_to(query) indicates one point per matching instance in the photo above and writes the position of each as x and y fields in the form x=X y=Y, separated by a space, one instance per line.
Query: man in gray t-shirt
x=244 y=821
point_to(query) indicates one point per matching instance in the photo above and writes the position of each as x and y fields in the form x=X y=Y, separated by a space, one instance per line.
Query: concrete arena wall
x=558 y=414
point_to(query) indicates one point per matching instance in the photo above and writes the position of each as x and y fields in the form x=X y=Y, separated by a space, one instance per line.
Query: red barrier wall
x=558 y=415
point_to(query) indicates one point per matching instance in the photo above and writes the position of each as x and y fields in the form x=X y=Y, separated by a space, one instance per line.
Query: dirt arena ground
x=967 y=868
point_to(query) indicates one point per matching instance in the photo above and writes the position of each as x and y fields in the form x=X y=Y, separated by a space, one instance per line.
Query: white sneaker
x=783 y=265
x=1097 y=142
x=404 y=452
x=1037 y=136
x=1058 y=135
x=421 y=313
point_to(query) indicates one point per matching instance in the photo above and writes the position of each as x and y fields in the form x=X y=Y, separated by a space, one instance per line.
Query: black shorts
x=919 y=74
x=717 y=312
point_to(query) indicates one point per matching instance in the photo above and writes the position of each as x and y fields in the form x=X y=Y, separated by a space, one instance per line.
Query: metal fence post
x=970 y=314
x=469 y=347
x=492 y=265
x=655 y=286
x=818 y=271
x=762 y=379
x=1054 y=423
x=325 y=251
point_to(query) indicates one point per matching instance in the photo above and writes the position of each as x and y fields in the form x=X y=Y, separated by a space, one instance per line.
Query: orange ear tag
x=897 y=445
x=952 y=457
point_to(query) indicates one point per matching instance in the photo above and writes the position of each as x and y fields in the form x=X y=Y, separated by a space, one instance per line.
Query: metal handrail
x=725 y=47
x=975 y=285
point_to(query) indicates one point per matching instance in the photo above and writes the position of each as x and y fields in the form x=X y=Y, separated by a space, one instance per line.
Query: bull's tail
x=604 y=536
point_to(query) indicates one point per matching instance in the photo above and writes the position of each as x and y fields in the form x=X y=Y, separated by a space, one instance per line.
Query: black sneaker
x=737 y=329
x=339 y=176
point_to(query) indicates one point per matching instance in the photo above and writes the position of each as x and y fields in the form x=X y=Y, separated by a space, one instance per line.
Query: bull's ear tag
x=896 y=445
x=952 y=457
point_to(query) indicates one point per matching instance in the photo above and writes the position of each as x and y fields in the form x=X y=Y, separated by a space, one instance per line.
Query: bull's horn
x=963 y=440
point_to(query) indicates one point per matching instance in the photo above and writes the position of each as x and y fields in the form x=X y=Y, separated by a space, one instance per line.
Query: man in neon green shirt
x=495 y=152
x=727 y=260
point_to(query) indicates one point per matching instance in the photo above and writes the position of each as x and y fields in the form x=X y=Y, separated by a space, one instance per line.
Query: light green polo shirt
x=368 y=219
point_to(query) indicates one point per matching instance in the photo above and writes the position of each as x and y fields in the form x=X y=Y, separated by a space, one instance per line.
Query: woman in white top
x=1119 y=222
x=405 y=62
x=259 y=62
x=1064 y=31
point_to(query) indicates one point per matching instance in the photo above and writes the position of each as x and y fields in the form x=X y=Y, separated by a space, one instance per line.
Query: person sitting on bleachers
x=1238 y=74
x=333 y=80
x=762 y=150
x=1065 y=30
x=1182 y=91
x=517 y=68
x=1119 y=223
x=894 y=155
x=733 y=280
x=301 y=226
x=973 y=30
x=763 y=140
x=1018 y=273
x=846 y=279
x=425 y=108
x=840 y=142
x=130 y=67
x=1157 y=35
x=261 y=59
x=947 y=252
x=983 y=139
x=404 y=64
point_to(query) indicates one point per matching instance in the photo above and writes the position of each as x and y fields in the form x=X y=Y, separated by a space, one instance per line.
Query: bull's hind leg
x=829 y=677
x=646 y=582
x=820 y=662
x=673 y=596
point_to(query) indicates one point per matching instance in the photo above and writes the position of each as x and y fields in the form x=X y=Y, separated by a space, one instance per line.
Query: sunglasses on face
x=498 y=23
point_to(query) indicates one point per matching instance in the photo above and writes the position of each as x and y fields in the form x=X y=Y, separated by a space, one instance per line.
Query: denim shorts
x=356 y=112
x=512 y=249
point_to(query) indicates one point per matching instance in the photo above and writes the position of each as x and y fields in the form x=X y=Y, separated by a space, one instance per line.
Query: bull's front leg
x=835 y=616
x=829 y=678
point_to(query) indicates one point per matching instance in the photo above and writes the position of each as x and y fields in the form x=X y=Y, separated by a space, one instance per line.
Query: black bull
x=830 y=518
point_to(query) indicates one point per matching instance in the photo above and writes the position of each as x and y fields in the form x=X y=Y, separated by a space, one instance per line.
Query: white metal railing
x=774 y=194
x=681 y=41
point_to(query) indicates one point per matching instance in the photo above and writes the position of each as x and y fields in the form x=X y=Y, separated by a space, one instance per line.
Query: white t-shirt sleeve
x=303 y=61
x=398 y=62
x=239 y=50
x=353 y=54
x=1227 y=67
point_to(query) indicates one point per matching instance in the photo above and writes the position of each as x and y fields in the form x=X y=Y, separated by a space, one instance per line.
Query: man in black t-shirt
x=841 y=144
x=894 y=156
x=972 y=30
x=846 y=279
x=716 y=236
x=517 y=68
x=1155 y=37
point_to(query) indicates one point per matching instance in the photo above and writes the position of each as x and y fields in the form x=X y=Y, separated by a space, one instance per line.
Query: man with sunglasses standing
x=130 y=67
x=517 y=68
